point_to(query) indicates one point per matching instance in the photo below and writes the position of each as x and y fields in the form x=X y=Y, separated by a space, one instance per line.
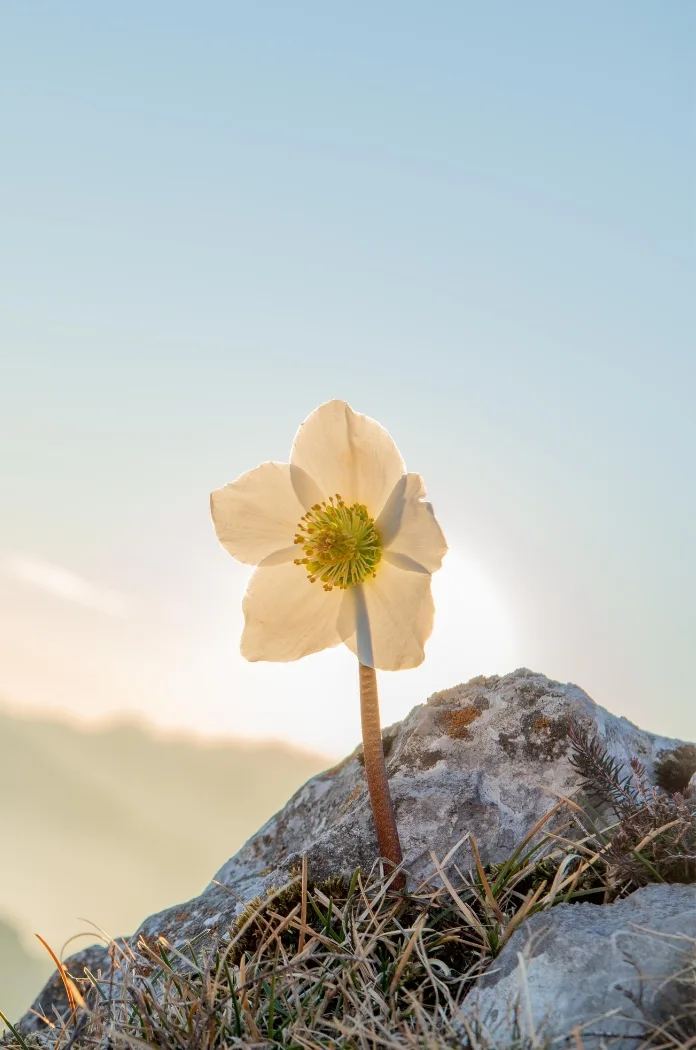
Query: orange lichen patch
x=541 y=724
x=457 y=721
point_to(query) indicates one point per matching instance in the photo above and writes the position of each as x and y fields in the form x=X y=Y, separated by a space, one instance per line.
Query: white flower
x=344 y=543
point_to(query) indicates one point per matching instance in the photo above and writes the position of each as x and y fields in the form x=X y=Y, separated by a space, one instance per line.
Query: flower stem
x=376 y=773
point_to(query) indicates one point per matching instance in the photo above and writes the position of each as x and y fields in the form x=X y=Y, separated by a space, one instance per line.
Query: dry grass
x=358 y=966
x=330 y=965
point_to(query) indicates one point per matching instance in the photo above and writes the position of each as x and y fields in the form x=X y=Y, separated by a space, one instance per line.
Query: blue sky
x=474 y=222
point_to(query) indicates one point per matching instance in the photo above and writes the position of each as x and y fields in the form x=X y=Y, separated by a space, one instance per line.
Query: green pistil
x=340 y=544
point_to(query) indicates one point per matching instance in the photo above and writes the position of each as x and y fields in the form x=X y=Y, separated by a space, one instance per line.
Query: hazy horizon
x=159 y=731
x=130 y=799
x=475 y=223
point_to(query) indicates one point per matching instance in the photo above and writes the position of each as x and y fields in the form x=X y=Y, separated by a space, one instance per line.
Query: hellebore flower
x=344 y=547
x=344 y=543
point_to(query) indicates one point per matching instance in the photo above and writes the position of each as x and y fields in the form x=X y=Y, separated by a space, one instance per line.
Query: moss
x=280 y=903
x=674 y=769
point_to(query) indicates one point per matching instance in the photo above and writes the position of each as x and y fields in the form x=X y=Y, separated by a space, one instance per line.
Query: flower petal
x=286 y=617
x=412 y=538
x=387 y=621
x=256 y=516
x=348 y=453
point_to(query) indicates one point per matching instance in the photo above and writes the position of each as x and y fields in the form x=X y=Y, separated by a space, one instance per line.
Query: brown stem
x=376 y=773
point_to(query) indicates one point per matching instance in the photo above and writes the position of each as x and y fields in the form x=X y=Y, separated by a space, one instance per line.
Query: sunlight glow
x=181 y=668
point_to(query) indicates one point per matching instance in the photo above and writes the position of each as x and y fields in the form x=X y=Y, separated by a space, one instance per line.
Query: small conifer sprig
x=604 y=778
x=654 y=838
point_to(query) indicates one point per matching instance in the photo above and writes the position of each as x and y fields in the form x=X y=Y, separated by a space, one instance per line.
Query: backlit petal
x=348 y=453
x=256 y=516
x=387 y=621
x=286 y=617
x=412 y=538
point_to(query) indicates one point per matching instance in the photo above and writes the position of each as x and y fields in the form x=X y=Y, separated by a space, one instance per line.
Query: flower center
x=341 y=545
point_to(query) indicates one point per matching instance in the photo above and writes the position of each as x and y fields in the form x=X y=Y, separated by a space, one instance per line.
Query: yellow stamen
x=340 y=543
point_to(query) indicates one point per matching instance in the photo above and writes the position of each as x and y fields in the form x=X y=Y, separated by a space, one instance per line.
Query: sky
x=473 y=222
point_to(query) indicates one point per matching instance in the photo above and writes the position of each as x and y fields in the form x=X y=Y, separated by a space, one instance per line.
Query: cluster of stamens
x=340 y=544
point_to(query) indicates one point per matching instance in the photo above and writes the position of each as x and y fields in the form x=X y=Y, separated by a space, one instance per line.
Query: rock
x=616 y=971
x=488 y=759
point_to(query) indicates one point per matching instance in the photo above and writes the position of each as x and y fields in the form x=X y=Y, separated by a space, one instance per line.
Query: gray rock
x=488 y=759
x=617 y=972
